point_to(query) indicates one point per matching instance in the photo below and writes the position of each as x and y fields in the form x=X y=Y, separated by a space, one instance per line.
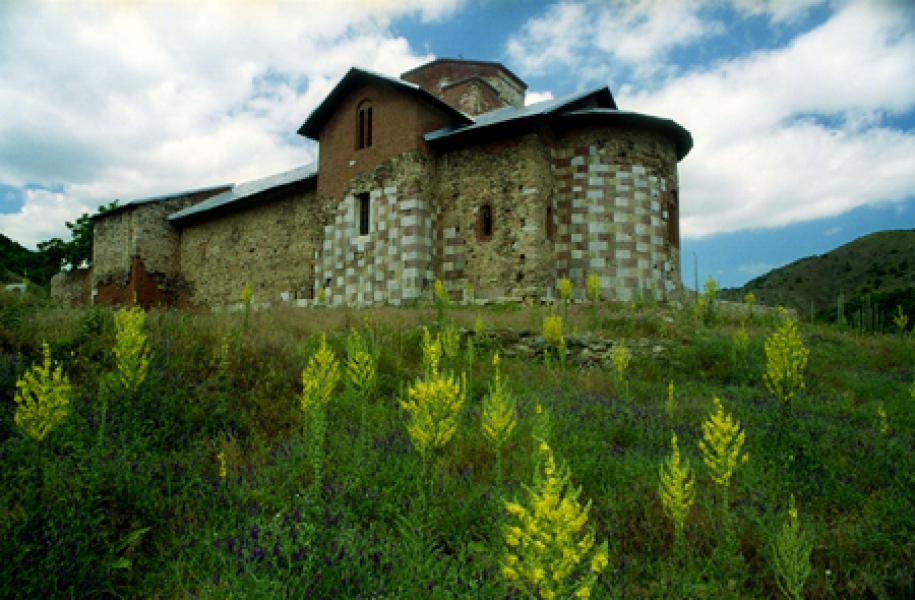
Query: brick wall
x=398 y=124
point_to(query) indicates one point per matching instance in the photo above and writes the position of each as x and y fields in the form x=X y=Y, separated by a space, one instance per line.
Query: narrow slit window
x=364 y=208
x=550 y=227
x=673 y=220
x=364 y=125
x=486 y=221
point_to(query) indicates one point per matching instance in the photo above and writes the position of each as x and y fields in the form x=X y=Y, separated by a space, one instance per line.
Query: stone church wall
x=393 y=262
x=514 y=179
x=612 y=190
x=270 y=245
x=137 y=233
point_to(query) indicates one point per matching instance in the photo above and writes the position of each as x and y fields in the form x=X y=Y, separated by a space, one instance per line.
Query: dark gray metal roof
x=248 y=190
x=597 y=97
x=311 y=128
x=681 y=137
x=162 y=198
x=594 y=104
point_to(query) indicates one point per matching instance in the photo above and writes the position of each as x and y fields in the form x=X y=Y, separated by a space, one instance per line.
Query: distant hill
x=875 y=273
x=17 y=261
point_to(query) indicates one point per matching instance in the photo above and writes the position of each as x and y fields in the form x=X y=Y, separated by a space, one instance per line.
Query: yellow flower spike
x=621 y=356
x=499 y=416
x=478 y=326
x=884 y=424
x=721 y=445
x=592 y=286
x=552 y=331
x=223 y=468
x=790 y=555
x=786 y=359
x=130 y=350
x=551 y=544
x=434 y=405
x=450 y=341
x=676 y=488
x=432 y=353
x=320 y=377
x=42 y=398
x=565 y=289
x=360 y=366
x=246 y=294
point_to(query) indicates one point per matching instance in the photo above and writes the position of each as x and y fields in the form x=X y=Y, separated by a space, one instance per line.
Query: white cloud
x=831 y=231
x=41 y=216
x=533 y=97
x=590 y=36
x=798 y=133
x=123 y=100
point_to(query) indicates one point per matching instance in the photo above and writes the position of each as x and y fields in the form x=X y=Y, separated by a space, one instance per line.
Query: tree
x=78 y=251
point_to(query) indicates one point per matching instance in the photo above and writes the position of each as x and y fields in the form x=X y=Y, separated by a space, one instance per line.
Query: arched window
x=550 y=227
x=485 y=222
x=364 y=125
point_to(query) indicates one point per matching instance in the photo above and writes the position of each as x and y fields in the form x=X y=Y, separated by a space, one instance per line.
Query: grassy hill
x=874 y=273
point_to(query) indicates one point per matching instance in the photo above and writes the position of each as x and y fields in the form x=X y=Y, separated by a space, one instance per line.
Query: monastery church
x=444 y=174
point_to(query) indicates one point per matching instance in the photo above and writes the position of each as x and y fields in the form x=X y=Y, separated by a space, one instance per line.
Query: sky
x=802 y=111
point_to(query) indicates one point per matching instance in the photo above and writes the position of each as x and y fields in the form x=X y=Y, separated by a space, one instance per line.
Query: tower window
x=363 y=206
x=486 y=222
x=673 y=220
x=364 y=125
x=550 y=227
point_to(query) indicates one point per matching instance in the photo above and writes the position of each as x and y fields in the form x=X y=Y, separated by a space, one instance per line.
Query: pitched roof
x=161 y=198
x=356 y=76
x=248 y=191
x=596 y=97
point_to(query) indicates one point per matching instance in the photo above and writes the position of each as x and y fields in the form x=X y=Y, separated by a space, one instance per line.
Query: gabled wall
x=399 y=121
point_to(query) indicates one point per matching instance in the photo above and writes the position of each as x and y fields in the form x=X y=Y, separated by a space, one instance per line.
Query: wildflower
x=441 y=296
x=468 y=291
x=130 y=351
x=884 y=422
x=450 y=341
x=223 y=468
x=786 y=359
x=741 y=341
x=42 y=398
x=900 y=319
x=361 y=371
x=548 y=543
x=621 y=357
x=721 y=445
x=552 y=331
x=434 y=405
x=592 y=286
x=670 y=401
x=711 y=290
x=246 y=294
x=499 y=419
x=322 y=295
x=320 y=377
x=791 y=556
x=478 y=326
x=432 y=353
x=565 y=289
x=676 y=489
x=750 y=299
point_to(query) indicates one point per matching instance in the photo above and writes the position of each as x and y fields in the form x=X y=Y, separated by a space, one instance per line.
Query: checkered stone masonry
x=392 y=263
x=609 y=195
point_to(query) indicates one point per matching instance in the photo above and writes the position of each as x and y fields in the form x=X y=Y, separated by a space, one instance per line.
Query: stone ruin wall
x=393 y=262
x=514 y=179
x=72 y=287
x=613 y=186
x=270 y=245
x=137 y=244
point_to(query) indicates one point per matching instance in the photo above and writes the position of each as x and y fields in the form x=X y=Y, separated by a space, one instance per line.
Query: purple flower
x=253 y=532
x=276 y=548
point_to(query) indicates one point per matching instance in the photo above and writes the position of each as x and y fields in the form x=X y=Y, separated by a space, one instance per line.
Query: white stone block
x=597 y=263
